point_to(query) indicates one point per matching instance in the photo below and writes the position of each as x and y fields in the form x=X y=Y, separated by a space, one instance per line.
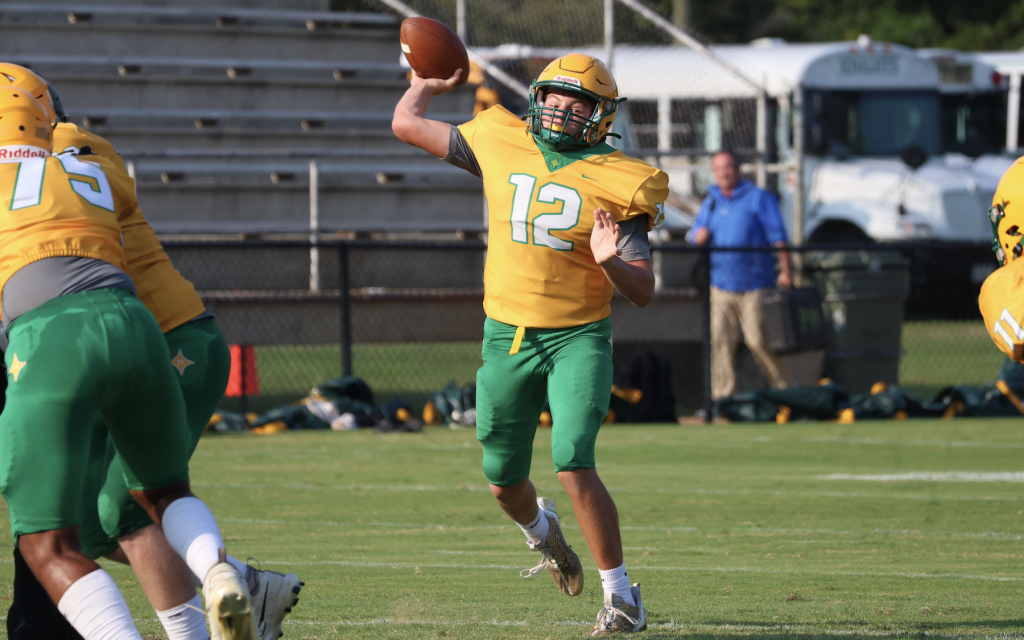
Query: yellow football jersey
x=62 y=206
x=170 y=297
x=540 y=271
x=1002 y=307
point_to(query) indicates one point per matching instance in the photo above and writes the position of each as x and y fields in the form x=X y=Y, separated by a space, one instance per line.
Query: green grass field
x=801 y=531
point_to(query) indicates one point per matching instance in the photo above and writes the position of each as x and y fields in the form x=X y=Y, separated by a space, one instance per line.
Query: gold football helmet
x=580 y=74
x=23 y=120
x=1007 y=214
x=11 y=75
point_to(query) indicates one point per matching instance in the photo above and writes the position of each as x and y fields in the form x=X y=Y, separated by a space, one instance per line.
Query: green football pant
x=201 y=360
x=69 y=359
x=570 y=367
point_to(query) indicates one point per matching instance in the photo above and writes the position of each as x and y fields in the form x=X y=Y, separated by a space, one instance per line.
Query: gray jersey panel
x=634 y=243
x=459 y=153
x=43 y=280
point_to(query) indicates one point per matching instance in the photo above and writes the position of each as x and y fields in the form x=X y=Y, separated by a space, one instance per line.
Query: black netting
x=893 y=314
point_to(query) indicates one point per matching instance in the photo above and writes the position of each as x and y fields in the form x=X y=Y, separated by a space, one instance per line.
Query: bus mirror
x=913 y=156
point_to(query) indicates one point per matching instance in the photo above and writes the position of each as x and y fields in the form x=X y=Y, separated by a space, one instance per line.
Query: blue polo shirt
x=748 y=218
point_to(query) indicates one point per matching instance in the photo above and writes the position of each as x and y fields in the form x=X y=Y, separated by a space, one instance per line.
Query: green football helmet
x=587 y=77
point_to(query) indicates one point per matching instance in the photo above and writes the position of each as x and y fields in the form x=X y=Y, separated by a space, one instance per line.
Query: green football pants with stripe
x=201 y=363
x=571 y=367
x=76 y=356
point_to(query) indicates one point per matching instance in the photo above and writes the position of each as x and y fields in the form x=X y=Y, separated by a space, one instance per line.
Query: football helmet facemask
x=582 y=75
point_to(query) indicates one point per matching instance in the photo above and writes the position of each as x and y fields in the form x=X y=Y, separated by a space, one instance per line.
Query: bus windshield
x=874 y=123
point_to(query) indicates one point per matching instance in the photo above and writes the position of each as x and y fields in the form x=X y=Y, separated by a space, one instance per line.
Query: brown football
x=433 y=50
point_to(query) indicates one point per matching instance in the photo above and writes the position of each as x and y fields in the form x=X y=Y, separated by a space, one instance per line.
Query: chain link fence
x=407 y=317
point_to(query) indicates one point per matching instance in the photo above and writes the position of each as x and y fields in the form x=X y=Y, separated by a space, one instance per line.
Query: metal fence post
x=609 y=32
x=244 y=398
x=705 y=300
x=346 y=310
x=314 y=226
x=460 y=22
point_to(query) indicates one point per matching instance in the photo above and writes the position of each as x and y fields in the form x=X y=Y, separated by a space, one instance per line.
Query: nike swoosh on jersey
x=583 y=175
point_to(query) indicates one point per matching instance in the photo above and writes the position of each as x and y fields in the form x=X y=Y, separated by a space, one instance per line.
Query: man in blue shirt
x=737 y=213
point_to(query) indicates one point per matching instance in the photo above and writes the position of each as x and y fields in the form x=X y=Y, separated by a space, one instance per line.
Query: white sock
x=615 y=582
x=536 y=531
x=185 y=622
x=192 y=531
x=96 y=609
x=247 y=572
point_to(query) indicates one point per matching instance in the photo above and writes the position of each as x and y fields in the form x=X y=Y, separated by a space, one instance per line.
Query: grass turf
x=736 y=531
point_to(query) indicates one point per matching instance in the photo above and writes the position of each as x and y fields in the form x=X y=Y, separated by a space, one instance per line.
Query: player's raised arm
x=409 y=123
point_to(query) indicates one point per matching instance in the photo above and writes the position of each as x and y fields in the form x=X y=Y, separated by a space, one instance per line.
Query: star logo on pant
x=180 y=363
x=16 y=367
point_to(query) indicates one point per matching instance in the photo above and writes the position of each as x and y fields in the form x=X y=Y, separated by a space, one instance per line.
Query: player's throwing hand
x=605 y=238
x=436 y=86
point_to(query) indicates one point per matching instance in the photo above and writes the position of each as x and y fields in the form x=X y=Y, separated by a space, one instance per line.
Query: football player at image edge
x=200 y=356
x=1002 y=294
x=568 y=222
x=81 y=343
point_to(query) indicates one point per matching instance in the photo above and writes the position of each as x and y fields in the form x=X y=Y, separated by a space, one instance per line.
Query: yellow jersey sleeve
x=168 y=295
x=1002 y=306
x=494 y=121
x=649 y=198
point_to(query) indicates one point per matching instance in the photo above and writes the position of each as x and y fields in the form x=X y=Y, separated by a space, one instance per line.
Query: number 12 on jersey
x=543 y=224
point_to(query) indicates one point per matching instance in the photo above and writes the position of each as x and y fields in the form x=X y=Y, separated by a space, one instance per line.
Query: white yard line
x=694 y=627
x=614 y=490
x=932 y=476
x=992 y=535
x=406 y=565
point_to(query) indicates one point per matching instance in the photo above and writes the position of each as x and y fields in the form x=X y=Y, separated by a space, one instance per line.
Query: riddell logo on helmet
x=574 y=81
x=21 y=152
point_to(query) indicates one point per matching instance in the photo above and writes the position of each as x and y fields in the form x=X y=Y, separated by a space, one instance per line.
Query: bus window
x=973 y=124
x=873 y=123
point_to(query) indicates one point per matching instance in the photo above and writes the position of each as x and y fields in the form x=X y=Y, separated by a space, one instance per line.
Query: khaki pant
x=730 y=312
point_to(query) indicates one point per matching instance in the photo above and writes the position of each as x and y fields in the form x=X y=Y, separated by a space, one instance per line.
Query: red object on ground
x=240 y=353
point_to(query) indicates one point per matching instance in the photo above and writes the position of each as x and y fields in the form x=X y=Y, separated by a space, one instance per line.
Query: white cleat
x=228 y=608
x=273 y=599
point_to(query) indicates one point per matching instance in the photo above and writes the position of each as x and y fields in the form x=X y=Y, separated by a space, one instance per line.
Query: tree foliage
x=972 y=25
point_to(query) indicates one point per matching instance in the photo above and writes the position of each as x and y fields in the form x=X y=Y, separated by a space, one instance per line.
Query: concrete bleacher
x=219 y=109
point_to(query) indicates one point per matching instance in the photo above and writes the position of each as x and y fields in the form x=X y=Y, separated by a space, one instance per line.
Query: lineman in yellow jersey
x=1002 y=294
x=194 y=341
x=569 y=217
x=81 y=343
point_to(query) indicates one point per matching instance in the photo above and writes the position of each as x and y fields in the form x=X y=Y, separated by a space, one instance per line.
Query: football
x=433 y=50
